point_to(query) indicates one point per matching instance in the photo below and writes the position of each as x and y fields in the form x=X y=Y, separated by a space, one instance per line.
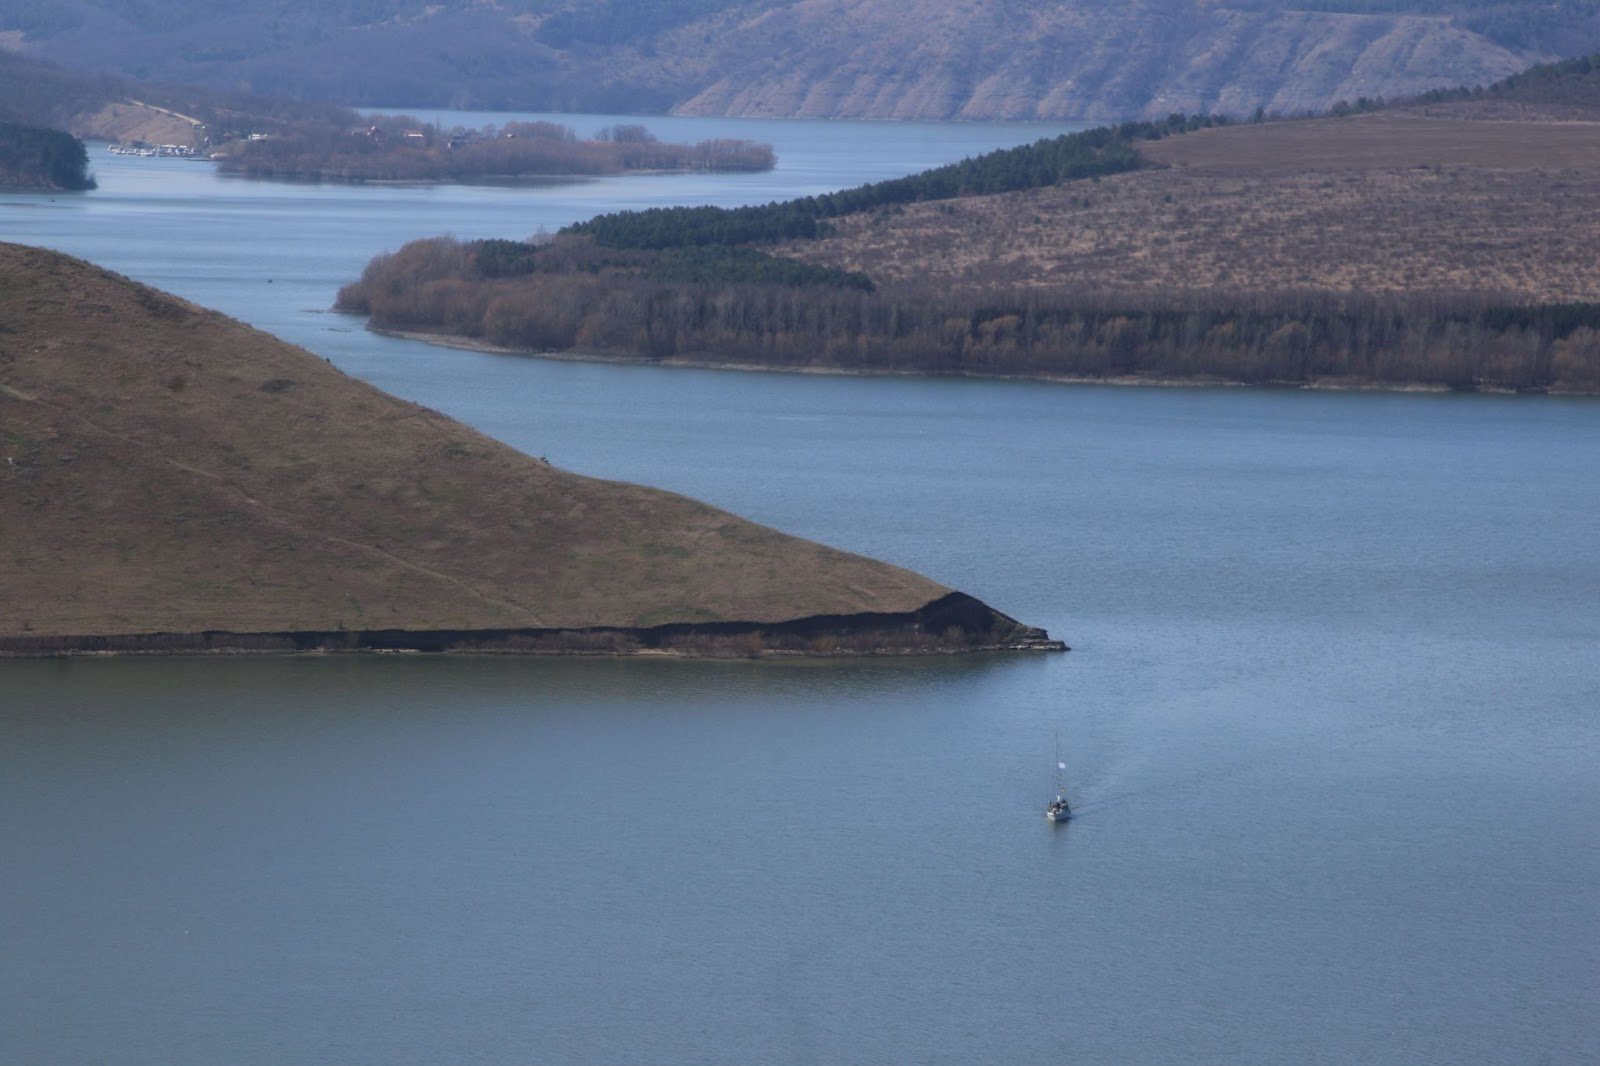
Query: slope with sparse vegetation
x=173 y=480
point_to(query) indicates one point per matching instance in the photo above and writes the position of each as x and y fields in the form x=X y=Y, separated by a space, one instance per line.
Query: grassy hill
x=1397 y=247
x=168 y=473
x=921 y=59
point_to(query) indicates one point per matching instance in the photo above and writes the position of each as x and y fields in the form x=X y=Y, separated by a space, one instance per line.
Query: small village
x=140 y=148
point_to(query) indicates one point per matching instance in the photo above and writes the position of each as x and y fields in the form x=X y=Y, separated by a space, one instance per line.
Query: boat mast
x=1060 y=810
x=1060 y=766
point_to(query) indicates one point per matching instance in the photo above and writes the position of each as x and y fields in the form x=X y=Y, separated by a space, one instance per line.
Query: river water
x=1330 y=721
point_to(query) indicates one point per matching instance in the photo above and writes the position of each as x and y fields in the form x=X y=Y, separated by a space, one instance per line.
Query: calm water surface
x=1331 y=717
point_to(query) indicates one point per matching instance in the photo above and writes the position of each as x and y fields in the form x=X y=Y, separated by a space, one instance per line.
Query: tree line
x=1463 y=341
x=421 y=262
x=1095 y=153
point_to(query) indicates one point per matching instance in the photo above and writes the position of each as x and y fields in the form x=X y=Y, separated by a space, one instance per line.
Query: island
x=1347 y=250
x=403 y=148
x=172 y=480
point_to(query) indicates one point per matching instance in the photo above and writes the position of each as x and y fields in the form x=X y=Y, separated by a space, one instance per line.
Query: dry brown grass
x=164 y=468
x=1383 y=141
x=1526 y=234
x=126 y=121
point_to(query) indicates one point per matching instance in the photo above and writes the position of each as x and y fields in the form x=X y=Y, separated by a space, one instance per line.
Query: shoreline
x=675 y=654
x=953 y=624
x=444 y=340
x=486 y=181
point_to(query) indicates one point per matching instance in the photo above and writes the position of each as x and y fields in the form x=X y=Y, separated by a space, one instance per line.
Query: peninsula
x=34 y=158
x=172 y=480
x=1343 y=251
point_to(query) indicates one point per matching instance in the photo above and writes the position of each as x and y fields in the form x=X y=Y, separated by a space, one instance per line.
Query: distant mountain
x=923 y=59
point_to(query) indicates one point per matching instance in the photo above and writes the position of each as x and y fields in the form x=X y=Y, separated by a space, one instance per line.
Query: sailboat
x=1059 y=810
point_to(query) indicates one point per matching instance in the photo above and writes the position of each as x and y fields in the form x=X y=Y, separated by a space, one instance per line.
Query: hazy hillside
x=164 y=469
x=929 y=59
x=113 y=107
